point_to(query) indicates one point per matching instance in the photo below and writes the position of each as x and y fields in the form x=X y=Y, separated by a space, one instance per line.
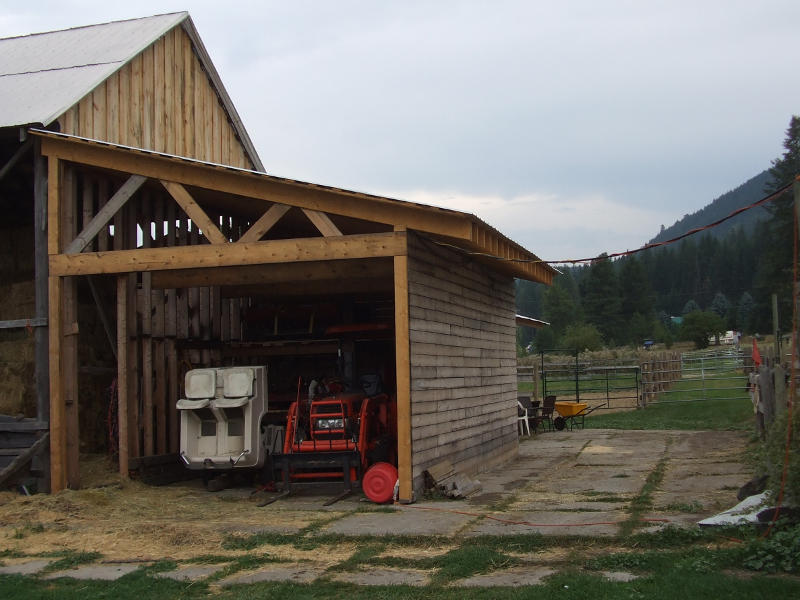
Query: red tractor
x=342 y=436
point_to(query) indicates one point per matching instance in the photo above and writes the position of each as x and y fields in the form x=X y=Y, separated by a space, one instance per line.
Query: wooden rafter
x=105 y=214
x=259 y=187
x=264 y=224
x=195 y=213
x=459 y=229
x=203 y=256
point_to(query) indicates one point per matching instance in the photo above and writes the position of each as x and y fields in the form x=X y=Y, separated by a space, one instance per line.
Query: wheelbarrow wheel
x=560 y=423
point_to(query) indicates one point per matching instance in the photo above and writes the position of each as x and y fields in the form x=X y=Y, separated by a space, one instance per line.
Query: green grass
x=670 y=575
x=672 y=564
x=643 y=501
x=700 y=415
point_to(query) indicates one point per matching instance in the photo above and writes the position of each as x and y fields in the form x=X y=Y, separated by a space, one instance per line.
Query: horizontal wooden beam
x=105 y=214
x=23 y=323
x=370 y=245
x=327 y=288
x=23 y=425
x=340 y=270
x=260 y=186
x=315 y=348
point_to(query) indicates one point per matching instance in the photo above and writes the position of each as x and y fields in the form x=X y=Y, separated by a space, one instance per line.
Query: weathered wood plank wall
x=164 y=101
x=168 y=330
x=463 y=361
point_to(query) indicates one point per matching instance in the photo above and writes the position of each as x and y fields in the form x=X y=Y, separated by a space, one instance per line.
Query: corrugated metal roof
x=44 y=74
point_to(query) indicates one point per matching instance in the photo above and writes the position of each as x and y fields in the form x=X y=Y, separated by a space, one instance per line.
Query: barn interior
x=323 y=320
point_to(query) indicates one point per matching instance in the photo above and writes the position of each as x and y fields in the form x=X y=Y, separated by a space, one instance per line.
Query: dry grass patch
x=416 y=553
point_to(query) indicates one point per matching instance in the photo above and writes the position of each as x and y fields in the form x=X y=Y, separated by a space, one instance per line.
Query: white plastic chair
x=522 y=419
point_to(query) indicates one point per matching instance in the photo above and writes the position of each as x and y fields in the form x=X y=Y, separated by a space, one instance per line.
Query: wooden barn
x=142 y=239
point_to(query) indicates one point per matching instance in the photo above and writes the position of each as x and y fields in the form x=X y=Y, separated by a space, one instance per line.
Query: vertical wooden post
x=69 y=344
x=172 y=397
x=41 y=333
x=776 y=329
x=122 y=372
x=146 y=215
x=403 y=378
x=58 y=440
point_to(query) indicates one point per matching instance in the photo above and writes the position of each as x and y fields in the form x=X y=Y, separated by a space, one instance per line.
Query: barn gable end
x=164 y=100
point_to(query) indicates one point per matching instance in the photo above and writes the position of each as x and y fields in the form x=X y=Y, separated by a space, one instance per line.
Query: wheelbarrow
x=572 y=414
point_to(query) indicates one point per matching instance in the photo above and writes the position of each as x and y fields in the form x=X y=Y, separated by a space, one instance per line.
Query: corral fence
x=604 y=384
x=718 y=373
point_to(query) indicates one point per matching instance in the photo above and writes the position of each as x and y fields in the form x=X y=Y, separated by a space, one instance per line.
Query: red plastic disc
x=378 y=482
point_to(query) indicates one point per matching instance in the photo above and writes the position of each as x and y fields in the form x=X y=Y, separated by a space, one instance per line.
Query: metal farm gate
x=695 y=376
x=605 y=385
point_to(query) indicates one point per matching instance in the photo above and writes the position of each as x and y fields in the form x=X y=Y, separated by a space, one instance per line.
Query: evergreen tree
x=775 y=264
x=690 y=307
x=635 y=295
x=744 y=313
x=559 y=310
x=600 y=299
x=720 y=305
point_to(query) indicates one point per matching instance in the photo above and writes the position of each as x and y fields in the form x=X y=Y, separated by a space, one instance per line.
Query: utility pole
x=795 y=335
x=776 y=330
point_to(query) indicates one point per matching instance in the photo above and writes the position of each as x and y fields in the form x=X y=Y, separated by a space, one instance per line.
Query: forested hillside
x=749 y=192
x=709 y=282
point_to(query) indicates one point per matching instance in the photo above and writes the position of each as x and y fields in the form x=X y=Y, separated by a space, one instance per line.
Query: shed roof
x=462 y=231
x=42 y=75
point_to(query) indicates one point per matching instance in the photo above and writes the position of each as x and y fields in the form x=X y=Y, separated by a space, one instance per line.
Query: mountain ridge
x=747 y=193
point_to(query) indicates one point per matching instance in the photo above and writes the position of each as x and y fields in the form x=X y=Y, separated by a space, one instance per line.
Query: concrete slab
x=411 y=577
x=514 y=577
x=190 y=573
x=25 y=567
x=299 y=573
x=411 y=520
x=700 y=483
x=689 y=467
x=101 y=572
x=593 y=481
x=708 y=502
x=574 y=506
x=605 y=524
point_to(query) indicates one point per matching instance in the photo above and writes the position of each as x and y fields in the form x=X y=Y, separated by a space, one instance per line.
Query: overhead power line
x=573 y=261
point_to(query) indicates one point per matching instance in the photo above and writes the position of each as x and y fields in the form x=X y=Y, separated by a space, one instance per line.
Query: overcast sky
x=575 y=127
